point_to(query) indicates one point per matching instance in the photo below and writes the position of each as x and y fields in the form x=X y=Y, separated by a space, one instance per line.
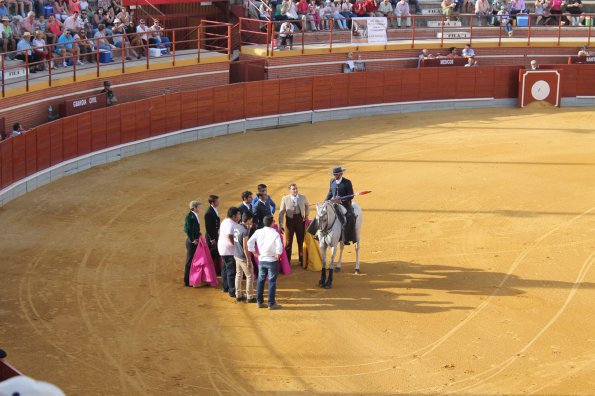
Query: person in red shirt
x=370 y=6
x=359 y=8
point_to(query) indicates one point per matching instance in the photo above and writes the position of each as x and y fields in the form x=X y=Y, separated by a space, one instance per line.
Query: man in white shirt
x=226 y=248
x=270 y=249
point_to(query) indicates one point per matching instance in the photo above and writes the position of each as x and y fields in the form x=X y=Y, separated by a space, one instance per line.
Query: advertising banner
x=368 y=30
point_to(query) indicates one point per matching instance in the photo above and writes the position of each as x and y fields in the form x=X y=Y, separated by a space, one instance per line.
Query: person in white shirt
x=270 y=249
x=17 y=129
x=226 y=248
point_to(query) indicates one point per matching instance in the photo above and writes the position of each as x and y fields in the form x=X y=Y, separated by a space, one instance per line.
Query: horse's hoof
x=328 y=286
x=357 y=272
x=320 y=284
x=338 y=269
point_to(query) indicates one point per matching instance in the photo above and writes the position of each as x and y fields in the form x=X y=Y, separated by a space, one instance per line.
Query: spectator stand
x=257 y=36
x=206 y=43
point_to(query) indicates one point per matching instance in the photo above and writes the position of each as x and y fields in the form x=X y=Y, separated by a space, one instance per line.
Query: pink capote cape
x=203 y=269
x=284 y=266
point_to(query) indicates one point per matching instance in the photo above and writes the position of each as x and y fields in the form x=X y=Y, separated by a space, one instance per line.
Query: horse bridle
x=320 y=223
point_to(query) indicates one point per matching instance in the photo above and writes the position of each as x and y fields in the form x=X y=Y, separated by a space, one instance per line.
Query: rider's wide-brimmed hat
x=337 y=169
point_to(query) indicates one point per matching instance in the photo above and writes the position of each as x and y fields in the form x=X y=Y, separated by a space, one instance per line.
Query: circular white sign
x=540 y=90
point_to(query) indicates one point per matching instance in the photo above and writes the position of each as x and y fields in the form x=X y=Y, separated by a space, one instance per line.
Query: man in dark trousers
x=246 y=205
x=341 y=187
x=212 y=226
x=192 y=231
x=260 y=209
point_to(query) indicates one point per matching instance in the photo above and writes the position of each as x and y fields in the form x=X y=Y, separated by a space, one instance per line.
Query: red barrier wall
x=67 y=138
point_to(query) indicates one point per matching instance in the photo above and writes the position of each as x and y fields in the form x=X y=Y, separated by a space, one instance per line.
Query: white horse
x=329 y=234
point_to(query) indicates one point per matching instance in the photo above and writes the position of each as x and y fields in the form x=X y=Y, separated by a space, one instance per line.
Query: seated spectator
x=111 y=98
x=483 y=10
x=25 y=4
x=6 y=38
x=347 y=12
x=99 y=19
x=425 y=54
x=101 y=41
x=534 y=65
x=585 y=51
x=359 y=8
x=453 y=53
x=60 y=10
x=264 y=11
x=84 y=4
x=85 y=47
x=336 y=15
x=448 y=9
x=121 y=40
x=575 y=9
x=327 y=14
x=468 y=51
x=542 y=10
x=73 y=22
x=385 y=9
x=292 y=14
x=302 y=11
x=74 y=6
x=496 y=7
x=16 y=27
x=124 y=16
x=17 y=129
x=403 y=12
x=286 y=34
x=517 y=7
x=471 y=62
x=143 y=34
x=135 y=40
x=556 y=10
x=314 y=14
x=157 y=38
x=27 y=54
x=39 y=46
x=504 y=20
x=4 y=12
x=30 y=24
x=66 y=49
x=53 y=29
x=370 y=6
x=349 y=65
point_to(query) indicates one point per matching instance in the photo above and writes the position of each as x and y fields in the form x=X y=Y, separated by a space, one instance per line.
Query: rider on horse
x=341 y=187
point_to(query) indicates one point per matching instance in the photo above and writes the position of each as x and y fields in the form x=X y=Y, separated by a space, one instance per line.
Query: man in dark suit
x=260 y=209
x=192 y=231
x=246 y=205
x=341 y=187
x=212 y=227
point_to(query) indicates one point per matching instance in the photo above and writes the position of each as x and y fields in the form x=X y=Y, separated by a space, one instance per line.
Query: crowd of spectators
x=74 y=32
x=319 y=14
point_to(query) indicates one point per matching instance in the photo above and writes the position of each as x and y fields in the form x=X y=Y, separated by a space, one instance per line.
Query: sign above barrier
x=81 y=105
x=437 y=24
x=438 y=62
x=431 y=11
x=14 y=73
x=539 y=85
x=581 y=59
x=453 y=35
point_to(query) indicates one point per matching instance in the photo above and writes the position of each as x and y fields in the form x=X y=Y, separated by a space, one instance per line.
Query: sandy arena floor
x=477 y=257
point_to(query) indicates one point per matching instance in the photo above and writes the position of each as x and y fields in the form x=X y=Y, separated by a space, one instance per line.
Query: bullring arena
x=477 y=250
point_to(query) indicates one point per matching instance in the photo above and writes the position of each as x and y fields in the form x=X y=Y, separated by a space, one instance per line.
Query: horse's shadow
x=403 y=286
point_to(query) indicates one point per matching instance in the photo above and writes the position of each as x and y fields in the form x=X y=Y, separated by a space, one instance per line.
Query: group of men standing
x=248 y=232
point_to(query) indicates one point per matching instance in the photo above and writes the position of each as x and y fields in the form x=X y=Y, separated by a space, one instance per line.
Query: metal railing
x=415 y=28
x=208 y=36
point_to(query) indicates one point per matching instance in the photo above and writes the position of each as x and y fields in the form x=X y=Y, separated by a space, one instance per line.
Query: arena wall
x=69 y=145
x=31 y=109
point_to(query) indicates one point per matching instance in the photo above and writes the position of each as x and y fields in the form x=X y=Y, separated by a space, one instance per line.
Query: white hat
x=25 y=386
